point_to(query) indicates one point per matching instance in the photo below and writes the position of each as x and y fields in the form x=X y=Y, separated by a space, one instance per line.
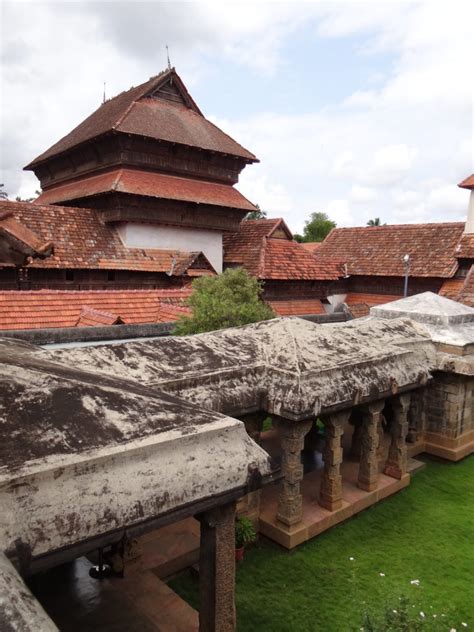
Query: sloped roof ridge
x=390 y=226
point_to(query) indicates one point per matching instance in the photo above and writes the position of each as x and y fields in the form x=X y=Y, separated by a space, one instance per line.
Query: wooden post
x=330 y=496
x=217 y=570
x=369 y=465
x=290 y=501
x=396 y=465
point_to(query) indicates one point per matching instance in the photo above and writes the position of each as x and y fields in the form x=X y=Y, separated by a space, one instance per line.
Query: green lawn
x=425 y=533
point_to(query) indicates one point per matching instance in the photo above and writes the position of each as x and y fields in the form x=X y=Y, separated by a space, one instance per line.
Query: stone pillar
x=369 y=465
x=290 y=501
x=217 y=570
x=330 y=496
x=396 y=465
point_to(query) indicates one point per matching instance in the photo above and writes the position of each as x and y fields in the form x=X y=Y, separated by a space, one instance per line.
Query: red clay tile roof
x=451 y=288
x=297 y=307
x=357 y=298
x=466 y=294
x=17 y=242
x=465 y=249
x=134 y=112
x=359 y=310
x=90 y=317
x=467 y=183
x=312 y=246
x=379 y=250
x=55 y=308
x=148 y=184
x=82 y=241
x=266 y=257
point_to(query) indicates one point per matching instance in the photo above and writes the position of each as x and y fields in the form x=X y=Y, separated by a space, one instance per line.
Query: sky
x=356 y=109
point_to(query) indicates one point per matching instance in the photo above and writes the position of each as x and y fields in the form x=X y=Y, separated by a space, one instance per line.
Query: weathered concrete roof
x=449 y=323
x=19 y=610
x=287 y=366
x=83 y=454
x=427 y=308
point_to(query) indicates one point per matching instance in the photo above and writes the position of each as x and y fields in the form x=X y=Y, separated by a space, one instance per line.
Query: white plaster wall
x=470 y=215
x=136 y=235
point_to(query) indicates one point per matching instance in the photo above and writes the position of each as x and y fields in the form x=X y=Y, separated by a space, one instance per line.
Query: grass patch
x=425 y=533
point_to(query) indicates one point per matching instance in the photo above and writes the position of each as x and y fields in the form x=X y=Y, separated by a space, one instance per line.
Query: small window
x=69 y=275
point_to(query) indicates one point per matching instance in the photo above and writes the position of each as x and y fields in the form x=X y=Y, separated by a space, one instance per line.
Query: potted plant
x=244 y=534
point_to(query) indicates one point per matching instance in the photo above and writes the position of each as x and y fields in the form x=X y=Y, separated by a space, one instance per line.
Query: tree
x=317 y=228
x=30 y=199
x=3 y=193
x=227 y=300
x=375 y=222
x=258 y=214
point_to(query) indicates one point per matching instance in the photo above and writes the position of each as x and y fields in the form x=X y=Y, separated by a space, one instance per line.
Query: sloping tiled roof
x=466 y=295
x=90 y=317
x=358 y=298
x=465 y=249
x=266 y=257
x=132 y=112
x=297 y=307
x=312 y=246
x=451 y=288
x=148 y=184
x=379 y=250
x=82 y=241
x=18 y=242
x=467 y=183
x=56 y=308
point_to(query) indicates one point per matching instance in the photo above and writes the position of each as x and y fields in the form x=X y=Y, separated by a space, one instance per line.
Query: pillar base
x=367 y=486
x=330 y=504
x=394 y=471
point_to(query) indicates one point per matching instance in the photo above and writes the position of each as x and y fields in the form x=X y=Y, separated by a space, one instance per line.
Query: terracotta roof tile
x=55 y=308
x=467 y=183
x=81 y=240
x=359 y=310
x=312 y=246
x=90 y=317
x=451 y=288
x=465 y=250
x=466 y=294
x=379 y=250
x=18 y=242
x=256 y=249
x=358 y=298
x=297 y=307
x=132 y=112
x=149 y=184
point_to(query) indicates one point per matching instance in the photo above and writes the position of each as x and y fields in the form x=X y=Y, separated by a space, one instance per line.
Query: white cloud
x=363 y=194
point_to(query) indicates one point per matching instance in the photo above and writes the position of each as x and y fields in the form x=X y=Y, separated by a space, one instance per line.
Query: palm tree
x=375 y=222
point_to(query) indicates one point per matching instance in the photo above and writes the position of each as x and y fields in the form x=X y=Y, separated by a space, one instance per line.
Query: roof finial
x=103 y=98
x=168 y=57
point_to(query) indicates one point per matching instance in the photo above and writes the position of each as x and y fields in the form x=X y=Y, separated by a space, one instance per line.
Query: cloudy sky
x=357 y=109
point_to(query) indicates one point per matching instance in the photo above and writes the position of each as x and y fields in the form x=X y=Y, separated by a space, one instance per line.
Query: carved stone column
x=396 y=465
x=330 y=496
x=217 y=570
x=290 y=501
x=369 y=464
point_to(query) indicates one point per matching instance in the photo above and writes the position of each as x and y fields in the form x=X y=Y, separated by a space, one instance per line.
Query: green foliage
x=3 y=193
x=317 y=228
x=327 y=584
x=375 y=222
x=244 y=532
x=258 y=214
x=227 y=300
